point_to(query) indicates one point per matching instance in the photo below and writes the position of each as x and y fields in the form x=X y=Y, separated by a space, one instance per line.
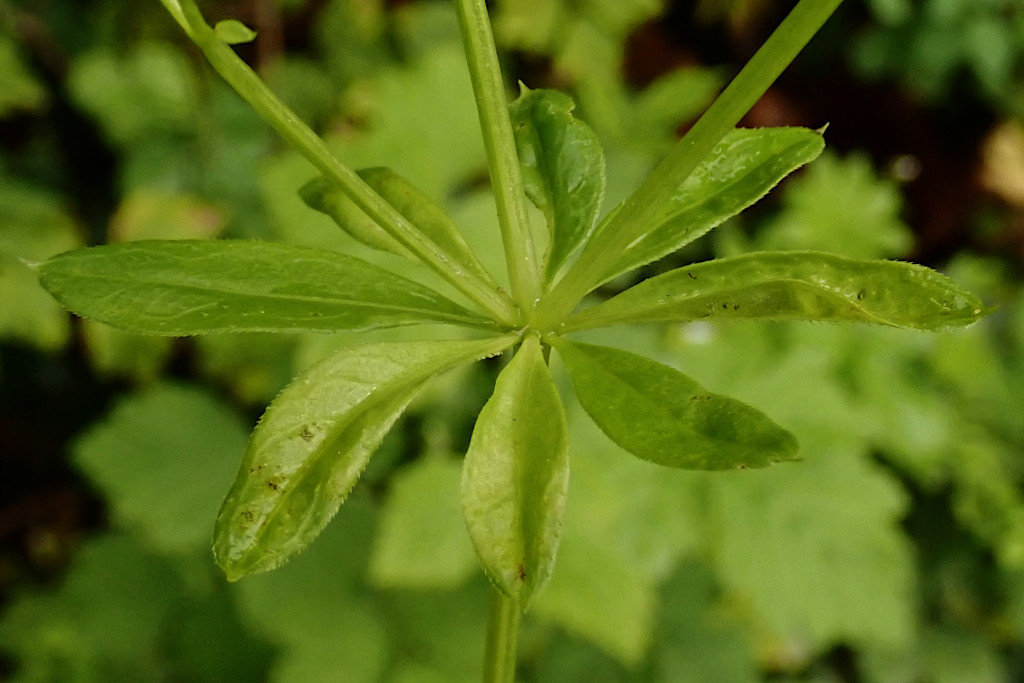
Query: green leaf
x=22 y=91
x=234 y=32
x=189 y=287
x=116 y=353
x=106 y=620
x=440 y=629
x=698 y=638
x=33 y=227
x=516 y=476
x=661 y=415
x=563 y=169
x=147 y=214
x=314 y=441
x=135 y=94
x=600 y=595
x=744 y=166
x=421 y=117
x=842 y=206
x=421 y=540
x=793 y=286
x=302 y=608
x=323 y=195
x=816 y=552
x=326 y=197
x=164 y=478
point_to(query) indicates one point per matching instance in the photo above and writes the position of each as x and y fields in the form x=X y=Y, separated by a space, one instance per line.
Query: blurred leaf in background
x=34 y=225
x=22 y=92
x=929 y=45
x=167 y=439
x=840 y=206
x=892 y=553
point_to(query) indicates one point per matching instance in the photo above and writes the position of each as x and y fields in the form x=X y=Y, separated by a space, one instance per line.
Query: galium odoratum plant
x=316 y=437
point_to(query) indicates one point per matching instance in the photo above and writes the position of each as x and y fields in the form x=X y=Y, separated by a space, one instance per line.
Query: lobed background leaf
x=138 y=452
x=286 y=607
x=794 y=286
x=421 y=540
x=186 y=287
x=934 y=416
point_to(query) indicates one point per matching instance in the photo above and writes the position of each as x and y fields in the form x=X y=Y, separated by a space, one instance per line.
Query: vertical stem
x=502 y=159
x=502 y=635
x=642 y=206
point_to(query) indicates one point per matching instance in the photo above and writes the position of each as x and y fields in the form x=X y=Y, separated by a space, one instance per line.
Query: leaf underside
x=515 y=477
x=314 y=440
x=793 y=286
x=186 y=287
x=661 y=415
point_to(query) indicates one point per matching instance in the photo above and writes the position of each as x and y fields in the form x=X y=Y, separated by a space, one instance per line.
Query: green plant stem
x=502 y=635
x=485 y=294
x=640 y=208
x=502 y=159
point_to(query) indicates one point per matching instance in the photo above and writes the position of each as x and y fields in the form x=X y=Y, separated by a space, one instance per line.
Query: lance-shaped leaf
x=745 y=165
x=186 y=287
x=314 y=440
x=326 y=197
x=515 y=477
x=793 y=286
x=563 y=169
x=661 y=415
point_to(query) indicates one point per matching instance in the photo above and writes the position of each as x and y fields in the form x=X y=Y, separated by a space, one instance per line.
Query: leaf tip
x=313 y=192
x=34 y=266
x=233 y=32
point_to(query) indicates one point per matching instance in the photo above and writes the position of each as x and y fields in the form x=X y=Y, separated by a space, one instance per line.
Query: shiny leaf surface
x=563 y=169
x=314 y=441
x=186 y=287
x=794 y=286
x=744 y=166
x=659 y=414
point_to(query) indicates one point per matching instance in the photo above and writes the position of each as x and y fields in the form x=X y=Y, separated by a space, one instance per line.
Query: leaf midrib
x=305 y=298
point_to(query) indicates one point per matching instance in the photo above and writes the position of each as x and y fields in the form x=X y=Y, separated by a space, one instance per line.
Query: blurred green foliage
x=930 y=44
x=893 y=553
